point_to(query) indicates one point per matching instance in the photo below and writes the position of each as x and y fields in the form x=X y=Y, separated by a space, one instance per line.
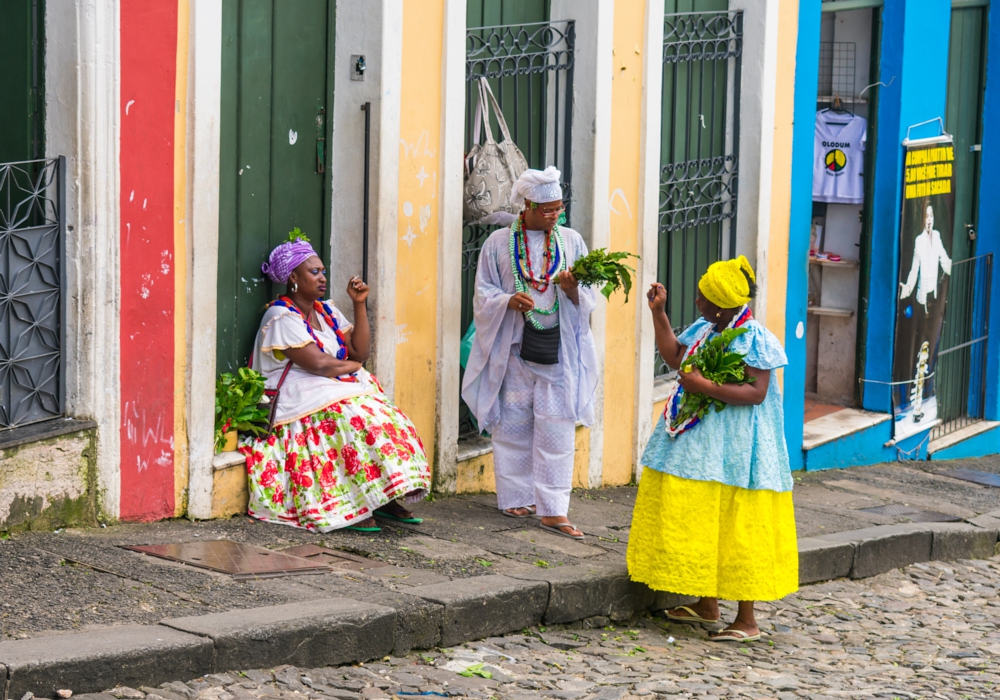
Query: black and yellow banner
x=925 y=233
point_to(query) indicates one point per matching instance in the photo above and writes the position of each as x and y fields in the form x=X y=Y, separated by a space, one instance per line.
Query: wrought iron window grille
x=32 y=271
x=530 y=68
x=699 y=170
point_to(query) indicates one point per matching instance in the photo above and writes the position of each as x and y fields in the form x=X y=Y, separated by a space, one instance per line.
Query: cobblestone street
x=928 y=631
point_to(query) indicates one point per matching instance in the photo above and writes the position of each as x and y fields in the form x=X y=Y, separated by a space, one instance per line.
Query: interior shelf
x=828 y=311
x=833 y=263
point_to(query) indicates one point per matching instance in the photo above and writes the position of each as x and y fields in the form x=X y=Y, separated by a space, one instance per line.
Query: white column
x=757 y=105
x=203 y=138
x=649 y=221
x=374 y=30
x=81 y=123
x=450 y=245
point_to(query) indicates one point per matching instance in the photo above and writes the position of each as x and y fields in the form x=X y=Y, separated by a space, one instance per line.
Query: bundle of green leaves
x=600 y=267
x=237 y=404
x=717 y=364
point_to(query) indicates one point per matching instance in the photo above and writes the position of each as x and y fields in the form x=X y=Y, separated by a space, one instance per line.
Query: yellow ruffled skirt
x=703 y=538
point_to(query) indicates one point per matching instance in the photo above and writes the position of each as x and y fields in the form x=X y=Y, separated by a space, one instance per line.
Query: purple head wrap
x=285 y=258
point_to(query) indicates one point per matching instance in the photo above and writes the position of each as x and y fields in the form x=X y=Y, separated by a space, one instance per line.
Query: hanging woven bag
x=491 y=168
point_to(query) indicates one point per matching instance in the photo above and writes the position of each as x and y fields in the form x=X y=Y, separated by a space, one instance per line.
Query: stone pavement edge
x=82 y=613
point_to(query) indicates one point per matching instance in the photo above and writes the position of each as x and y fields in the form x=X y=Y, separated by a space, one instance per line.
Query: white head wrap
x=539 y=186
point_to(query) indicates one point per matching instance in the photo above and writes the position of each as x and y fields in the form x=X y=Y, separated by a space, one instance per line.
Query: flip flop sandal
x=557 y=530
x=692 y=616
x=412 y=520
x=358 y=528
x=734 y=636
x=531 y=512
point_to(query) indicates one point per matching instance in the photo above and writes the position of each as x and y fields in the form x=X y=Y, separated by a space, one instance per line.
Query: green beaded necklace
x=519 y=283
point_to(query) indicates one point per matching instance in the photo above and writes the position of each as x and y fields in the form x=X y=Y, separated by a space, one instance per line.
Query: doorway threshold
x=837 y=425
x=953 y=438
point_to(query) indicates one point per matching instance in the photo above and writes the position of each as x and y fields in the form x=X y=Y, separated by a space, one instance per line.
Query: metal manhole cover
x=976 y=477
x=917 y=515
x=333 y=557
x=243 y=562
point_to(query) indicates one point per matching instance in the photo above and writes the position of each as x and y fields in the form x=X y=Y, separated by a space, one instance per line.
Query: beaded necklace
x=554 y=263
x=327 y=314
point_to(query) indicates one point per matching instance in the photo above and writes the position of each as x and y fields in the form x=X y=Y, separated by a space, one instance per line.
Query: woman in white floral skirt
x=340 y=452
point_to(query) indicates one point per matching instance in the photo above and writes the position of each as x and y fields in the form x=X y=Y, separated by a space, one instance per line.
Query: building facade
x=153 y=153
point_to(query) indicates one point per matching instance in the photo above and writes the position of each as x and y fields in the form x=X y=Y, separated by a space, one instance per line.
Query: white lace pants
x=533 y=444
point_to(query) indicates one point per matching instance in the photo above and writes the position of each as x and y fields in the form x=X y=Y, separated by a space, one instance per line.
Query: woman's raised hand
x=657 y=297
x=357 y=290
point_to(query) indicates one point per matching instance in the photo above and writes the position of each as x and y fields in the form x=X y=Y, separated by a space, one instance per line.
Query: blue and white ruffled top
x=742 y=446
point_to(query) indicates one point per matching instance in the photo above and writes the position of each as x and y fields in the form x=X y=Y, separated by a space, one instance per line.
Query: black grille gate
x=32 y=270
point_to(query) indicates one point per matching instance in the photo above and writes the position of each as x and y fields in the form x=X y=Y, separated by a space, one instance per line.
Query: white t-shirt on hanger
x=838 y=158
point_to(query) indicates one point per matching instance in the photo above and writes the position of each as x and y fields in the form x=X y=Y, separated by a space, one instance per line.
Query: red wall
x=148 y=76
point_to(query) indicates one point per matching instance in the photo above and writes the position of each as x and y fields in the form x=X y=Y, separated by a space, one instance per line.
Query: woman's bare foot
x=524 y=512
x=366 y=523
x=395 y=509
x=744 y=622
x=705 y=608
x=561 y=522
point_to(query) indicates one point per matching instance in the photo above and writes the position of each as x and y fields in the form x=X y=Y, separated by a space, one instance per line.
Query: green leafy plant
x=237 y=404
x=718 y=365
x=296 y=235
x=599 y=267
x=476 y=670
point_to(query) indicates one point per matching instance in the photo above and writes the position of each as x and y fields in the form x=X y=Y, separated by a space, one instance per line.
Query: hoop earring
x=295 y=287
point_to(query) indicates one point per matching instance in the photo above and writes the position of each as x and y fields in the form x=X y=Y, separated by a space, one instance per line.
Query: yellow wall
x=781 y=173
x=476 y=475
x=416 y=261
x=620 y=343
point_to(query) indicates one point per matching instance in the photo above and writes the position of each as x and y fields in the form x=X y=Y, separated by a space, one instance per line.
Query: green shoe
x=410 y=520
x=364 y=528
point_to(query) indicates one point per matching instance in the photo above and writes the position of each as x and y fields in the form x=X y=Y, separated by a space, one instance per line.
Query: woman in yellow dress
x=714 y=516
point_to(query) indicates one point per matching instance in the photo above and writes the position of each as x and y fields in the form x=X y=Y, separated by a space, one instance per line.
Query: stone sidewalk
x=467 y=572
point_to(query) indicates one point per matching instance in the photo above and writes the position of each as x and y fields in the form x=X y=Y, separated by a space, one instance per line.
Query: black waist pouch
x=540 y=346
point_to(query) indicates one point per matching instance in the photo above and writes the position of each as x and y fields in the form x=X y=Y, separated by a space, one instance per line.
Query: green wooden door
x=963 y=119
x=959 y=369
x=21 y=80
x=277 y=83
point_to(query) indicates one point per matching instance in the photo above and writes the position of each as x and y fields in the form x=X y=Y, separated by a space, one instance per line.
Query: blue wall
x=806 y=84
x=914 y=56
x=986 y=443
x=868 y=446
x=989 y=206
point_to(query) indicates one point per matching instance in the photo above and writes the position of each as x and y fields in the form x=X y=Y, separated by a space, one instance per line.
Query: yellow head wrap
x=725 y=284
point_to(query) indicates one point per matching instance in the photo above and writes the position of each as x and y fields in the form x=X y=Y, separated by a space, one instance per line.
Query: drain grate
x=917 y=515
x=333 y=557
x=241 y=561
x=976 y=477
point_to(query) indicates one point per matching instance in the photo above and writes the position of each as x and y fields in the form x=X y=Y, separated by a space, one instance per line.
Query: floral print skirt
x=336 y=466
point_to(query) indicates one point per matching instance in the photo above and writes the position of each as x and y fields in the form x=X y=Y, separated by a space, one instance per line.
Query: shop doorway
x=843 y=157
x=277 y=78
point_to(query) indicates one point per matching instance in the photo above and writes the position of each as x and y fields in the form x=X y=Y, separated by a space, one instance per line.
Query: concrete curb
x=333 y=631
x=94 y=661
x=308 y=634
